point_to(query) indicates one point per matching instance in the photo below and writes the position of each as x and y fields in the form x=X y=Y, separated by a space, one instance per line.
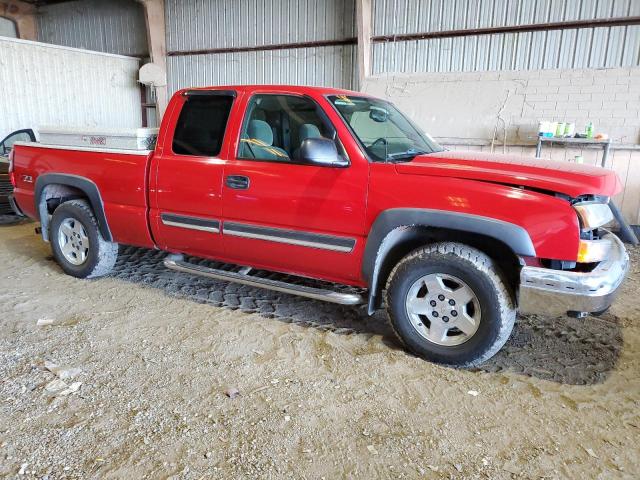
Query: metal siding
x=330 y=66
x=410 y=16
x=31 y=71
x=580 y=48
x=117 y=26
x=203 y=24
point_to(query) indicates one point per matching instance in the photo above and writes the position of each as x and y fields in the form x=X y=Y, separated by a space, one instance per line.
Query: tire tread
x=107 y=251
x=483 y=263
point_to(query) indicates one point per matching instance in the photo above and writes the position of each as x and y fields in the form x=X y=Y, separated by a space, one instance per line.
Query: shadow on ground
x=562 y=350
x=6 y=220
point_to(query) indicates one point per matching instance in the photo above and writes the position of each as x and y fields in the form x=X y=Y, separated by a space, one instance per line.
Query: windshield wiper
x=409 y=154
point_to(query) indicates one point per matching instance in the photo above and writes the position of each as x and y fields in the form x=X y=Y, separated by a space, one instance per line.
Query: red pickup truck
x=338 y=186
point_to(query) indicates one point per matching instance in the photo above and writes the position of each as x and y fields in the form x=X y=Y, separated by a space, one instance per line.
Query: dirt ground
x=324 y=391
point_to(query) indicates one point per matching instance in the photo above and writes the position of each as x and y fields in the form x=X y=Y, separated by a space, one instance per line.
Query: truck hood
x=559 y=177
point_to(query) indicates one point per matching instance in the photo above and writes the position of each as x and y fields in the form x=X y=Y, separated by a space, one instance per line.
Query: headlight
x=593 y=215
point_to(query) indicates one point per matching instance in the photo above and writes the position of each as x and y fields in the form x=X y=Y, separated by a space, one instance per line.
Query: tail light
x=12 y=177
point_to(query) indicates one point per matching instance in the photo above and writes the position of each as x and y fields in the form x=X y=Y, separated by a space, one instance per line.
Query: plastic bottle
x=589 y=130
x=569 y=129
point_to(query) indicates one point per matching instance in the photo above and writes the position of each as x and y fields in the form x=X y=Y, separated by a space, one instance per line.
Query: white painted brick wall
x=476 y=105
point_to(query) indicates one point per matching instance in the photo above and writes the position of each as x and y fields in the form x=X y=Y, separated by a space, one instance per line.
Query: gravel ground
x=147 y=355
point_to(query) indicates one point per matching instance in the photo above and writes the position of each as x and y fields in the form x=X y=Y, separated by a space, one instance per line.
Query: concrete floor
x=324 y=391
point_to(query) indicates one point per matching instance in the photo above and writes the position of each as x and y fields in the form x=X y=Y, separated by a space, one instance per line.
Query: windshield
x=384 y=132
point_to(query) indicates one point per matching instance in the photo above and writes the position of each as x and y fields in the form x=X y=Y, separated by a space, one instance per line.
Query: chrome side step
x=177 y=263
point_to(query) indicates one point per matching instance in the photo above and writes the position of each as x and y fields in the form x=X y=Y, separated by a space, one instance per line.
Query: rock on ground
x=326 y=390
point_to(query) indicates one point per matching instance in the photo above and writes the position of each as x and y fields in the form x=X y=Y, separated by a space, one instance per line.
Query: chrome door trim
x=290 y=237
x=192 y=223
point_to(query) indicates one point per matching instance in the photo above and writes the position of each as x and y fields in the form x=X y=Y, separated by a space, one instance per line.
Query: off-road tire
x=101 y=256
x=481 y=274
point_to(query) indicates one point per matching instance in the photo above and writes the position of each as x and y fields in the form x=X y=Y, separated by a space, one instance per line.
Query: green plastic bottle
x=589 y=130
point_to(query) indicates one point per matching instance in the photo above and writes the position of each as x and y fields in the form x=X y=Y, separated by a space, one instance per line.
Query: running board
x=177 y=263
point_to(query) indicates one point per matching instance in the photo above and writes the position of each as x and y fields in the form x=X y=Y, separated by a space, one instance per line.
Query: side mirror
x=379 y=115
x=321 y=152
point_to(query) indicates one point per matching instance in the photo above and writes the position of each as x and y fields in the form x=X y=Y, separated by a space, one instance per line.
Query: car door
x=24 y=135
x=281 y=213
x=186 y=174
x=6 y=189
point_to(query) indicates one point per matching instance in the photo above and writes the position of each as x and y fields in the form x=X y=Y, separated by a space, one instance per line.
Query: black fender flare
x=398 y=224
x=86 y=186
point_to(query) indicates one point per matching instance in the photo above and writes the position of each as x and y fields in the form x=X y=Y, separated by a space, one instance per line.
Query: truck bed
x=123 y=195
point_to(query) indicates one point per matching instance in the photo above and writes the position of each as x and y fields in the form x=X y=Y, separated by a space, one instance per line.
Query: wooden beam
x=364 y=23
x=23 y=15
x=156 y=38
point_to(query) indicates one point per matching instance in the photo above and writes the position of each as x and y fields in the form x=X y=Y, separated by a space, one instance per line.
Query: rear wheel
x=448 y=303
x=77 y=244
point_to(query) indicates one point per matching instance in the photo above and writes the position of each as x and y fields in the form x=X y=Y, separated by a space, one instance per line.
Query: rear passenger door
x=186 y=174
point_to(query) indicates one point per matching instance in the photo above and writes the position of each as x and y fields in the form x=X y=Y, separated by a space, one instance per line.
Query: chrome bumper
x=555 y=292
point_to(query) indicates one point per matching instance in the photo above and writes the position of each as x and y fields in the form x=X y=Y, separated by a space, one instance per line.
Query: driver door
x=282 y=214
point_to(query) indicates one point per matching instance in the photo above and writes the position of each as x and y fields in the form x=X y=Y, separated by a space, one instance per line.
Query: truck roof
x=280 y=88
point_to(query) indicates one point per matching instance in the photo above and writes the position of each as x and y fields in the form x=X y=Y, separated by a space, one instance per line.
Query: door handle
x=237 y=182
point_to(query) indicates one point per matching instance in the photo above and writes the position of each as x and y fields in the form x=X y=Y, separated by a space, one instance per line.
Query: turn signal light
x=592 y=251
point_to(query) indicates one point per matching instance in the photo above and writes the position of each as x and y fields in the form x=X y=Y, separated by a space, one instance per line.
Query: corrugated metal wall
x=103 y=87
x=328 y=66
x=579 y=48
x=203 y=24
x=114 y=26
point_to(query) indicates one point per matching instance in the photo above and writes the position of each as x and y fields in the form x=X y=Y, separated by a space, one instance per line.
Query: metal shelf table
x=570 y=141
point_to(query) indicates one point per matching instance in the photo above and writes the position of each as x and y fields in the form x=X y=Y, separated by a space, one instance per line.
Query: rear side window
x=201 y=125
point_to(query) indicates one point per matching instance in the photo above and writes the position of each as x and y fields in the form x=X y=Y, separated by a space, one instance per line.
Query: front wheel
x=77 y=244
x=448 y=303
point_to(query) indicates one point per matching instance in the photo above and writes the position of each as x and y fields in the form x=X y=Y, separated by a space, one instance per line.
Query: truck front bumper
x=555 y=292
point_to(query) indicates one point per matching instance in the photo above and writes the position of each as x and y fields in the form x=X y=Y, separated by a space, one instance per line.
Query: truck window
x=276 y=125
x=201 y=125
x=18 y=136
x=384 y=132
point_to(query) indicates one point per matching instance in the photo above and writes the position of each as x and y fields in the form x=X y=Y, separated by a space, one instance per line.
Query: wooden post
x=364 y=17
x=156 y=37
x=23 y=14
